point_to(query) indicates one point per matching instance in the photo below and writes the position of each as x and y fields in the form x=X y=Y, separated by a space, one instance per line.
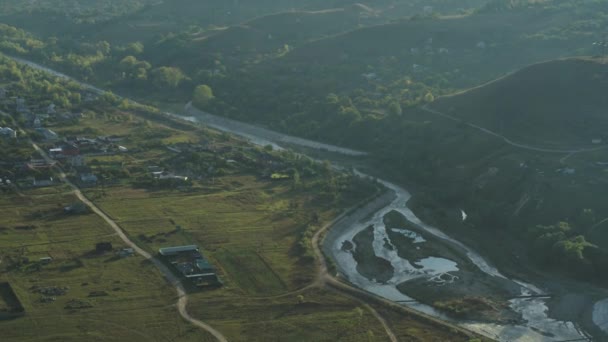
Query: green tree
x=202 y=96
x=136 y=48
x=167 y=77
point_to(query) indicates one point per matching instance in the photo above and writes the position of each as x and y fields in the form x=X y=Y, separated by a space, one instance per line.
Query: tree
x=202 y=96
x=394 y=108
x=133 y=68
x=429 y=97
x=109 y=98
x=135 y=48
x=296 y=181
x=169 y=77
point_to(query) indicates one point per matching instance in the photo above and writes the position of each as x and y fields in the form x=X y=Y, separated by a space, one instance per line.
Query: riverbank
x=465 y=293
x=569 y=300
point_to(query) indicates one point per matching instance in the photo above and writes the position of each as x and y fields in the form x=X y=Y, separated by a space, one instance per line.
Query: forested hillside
x=352 y=74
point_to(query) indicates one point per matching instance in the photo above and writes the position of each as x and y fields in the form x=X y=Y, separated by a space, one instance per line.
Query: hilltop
x=558 y=103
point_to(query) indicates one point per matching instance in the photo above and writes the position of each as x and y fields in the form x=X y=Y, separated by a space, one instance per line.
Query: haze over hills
x=559 y=103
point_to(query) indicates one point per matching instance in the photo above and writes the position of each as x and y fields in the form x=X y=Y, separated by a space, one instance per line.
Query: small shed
x=45 y=260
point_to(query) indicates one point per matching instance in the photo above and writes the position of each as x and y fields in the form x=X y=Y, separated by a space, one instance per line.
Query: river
x=538 y=327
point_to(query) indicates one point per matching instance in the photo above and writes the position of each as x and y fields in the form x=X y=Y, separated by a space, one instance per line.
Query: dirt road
x=182 y=302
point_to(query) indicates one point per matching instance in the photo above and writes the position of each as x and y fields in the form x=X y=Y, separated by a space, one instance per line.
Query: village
x=99 y=151
x=92 y=160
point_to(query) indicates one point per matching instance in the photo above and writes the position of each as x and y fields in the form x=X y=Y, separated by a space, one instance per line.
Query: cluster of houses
x=191 y=264
x=266 y=163
x=71 y=147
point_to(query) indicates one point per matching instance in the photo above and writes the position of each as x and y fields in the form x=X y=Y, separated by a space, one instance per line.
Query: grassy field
x=136 y=304
x=248 y=228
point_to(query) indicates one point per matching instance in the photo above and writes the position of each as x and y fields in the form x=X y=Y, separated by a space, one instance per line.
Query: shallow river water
x=539 y=326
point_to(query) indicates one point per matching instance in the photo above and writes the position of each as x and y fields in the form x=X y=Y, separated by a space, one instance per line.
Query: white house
x=8 y=132
x=88 y=178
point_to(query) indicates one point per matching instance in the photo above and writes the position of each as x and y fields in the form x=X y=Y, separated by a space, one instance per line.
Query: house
x=190 y=263
x=56 y=152
x=596 y=141
x=50 y=109
x=88 y=178
x=443 y=51
x=70 y=150
x=48 y=134
x=36 y=164
x=566 y=171
x=126 y=252
x=45 y=260
x=77 y=161
x=123 y=149
x=174 y=149
x=76 y=208
x=170 y=251
x=481 y=45
x=8 y=132
x=42 y=182
x=165 y=175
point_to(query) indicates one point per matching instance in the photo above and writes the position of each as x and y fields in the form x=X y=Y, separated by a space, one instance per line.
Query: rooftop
x=178 y=249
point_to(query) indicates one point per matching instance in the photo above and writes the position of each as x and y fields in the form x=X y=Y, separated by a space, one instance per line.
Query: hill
x=558 y=103
x=259 y=38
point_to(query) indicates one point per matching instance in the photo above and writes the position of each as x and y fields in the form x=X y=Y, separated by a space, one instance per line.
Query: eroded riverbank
x=530 y=322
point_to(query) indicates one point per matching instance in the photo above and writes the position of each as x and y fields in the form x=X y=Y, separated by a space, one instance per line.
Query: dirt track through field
x=182 y=301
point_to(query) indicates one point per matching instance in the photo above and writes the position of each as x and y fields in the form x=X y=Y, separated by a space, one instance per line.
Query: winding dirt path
x=182 y=301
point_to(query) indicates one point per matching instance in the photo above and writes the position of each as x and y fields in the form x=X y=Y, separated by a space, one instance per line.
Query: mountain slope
x=557 y=103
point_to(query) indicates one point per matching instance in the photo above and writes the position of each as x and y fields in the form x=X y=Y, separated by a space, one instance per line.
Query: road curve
x=169 y=276
x=324 y=278
x=509 y=141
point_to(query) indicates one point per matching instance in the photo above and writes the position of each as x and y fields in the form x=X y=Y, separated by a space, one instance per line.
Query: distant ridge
x=560 y=103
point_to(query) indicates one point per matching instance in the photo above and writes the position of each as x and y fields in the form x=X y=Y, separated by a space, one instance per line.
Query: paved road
x=167 y=273
x=255 y=132
x=509 y=141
